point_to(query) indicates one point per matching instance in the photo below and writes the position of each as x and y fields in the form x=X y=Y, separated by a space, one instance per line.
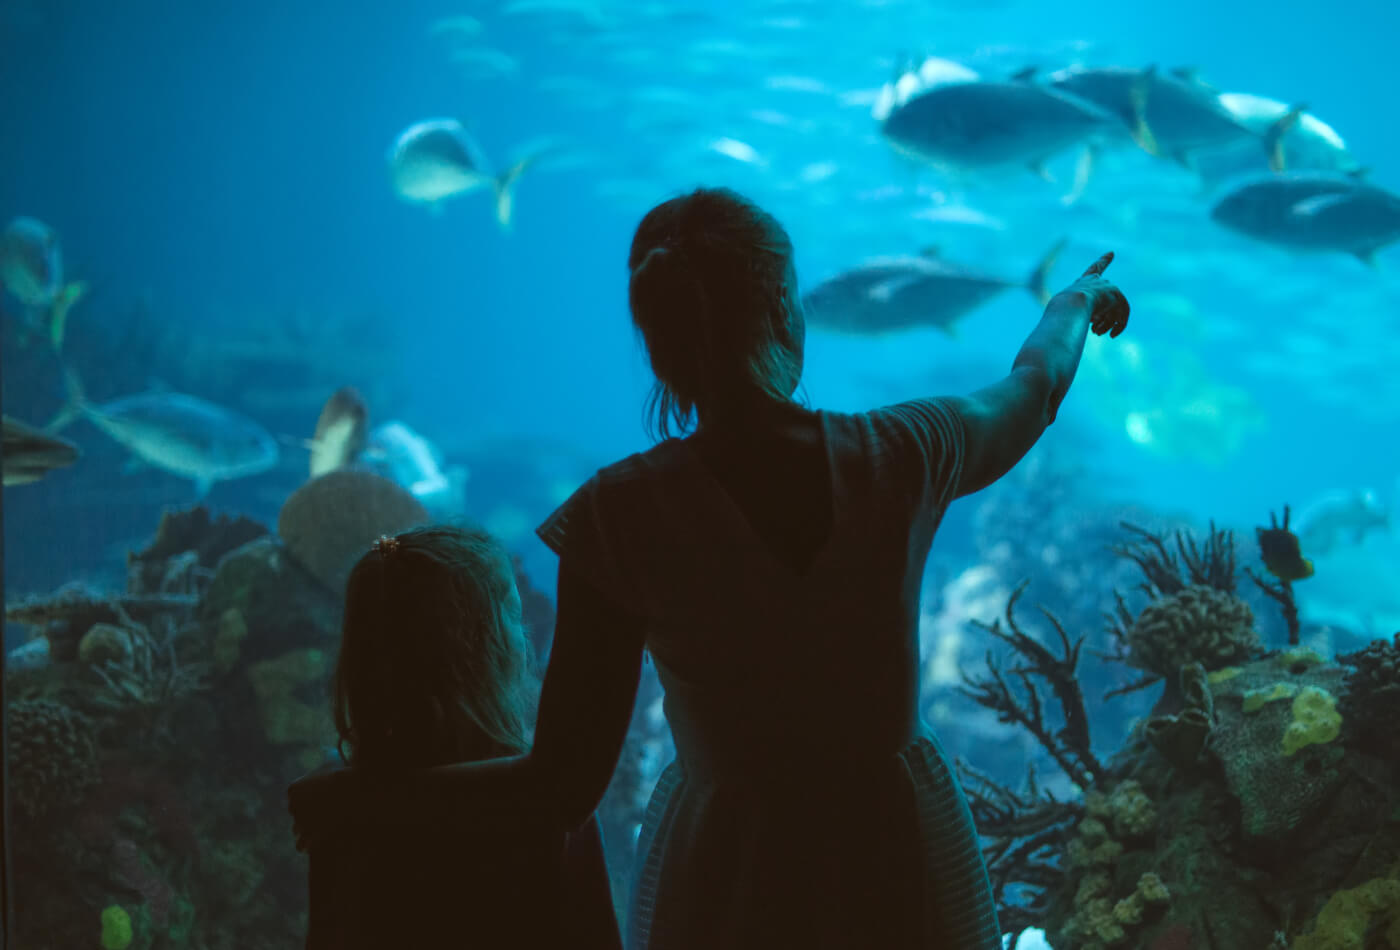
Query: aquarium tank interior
x=278 y=279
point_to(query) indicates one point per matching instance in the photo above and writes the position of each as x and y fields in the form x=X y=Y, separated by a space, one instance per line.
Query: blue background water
x=227 y=163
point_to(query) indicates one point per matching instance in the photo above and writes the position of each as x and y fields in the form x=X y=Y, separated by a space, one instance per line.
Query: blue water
x=226 y=167
x=223 y=166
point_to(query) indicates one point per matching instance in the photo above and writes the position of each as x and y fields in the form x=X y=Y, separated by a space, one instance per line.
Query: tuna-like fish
x=437 y=159
x=1338 y=518
x=945 y=118
x=1307 y=144
x=180 y=434
x=342 y=432
x=899 y=293
x=31 y=269
x=1313 y=211
x=1168 y=115
x=30 y=453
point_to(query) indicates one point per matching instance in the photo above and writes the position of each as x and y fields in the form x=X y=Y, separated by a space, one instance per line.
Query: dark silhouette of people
x=769 y=558
x=434 y=668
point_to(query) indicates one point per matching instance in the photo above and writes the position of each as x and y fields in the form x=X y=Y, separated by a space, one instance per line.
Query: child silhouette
x=434 y=668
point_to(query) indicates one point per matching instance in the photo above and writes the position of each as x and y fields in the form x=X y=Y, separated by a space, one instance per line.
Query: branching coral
x=1069 y=747
x=1211 y=563
x=151 y=675
x=1023 y=835
x=1025 y=831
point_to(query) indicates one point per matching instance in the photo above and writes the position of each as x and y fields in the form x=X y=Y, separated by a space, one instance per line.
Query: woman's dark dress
x=808 y=805
x=403 y=885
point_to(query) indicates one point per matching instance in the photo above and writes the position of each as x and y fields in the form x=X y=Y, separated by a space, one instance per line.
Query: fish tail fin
x=76 y=404
x=1273 y=136
x=1039 y=281
x=58 y=313
x=505 y=190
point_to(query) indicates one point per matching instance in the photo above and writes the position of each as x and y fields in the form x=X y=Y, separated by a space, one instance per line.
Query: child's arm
x=585 y=710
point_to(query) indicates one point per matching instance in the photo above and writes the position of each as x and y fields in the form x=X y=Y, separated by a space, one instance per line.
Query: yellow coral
x=1347 y=918
x=1299 y=656
x=1315 y=720
x=1257 y=699
x=116 y=928
x=1133 y=812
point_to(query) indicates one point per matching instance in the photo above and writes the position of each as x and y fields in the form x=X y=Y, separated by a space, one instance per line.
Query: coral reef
x=150 y=752
x=52 y=757
x=331 y=520
x=1197 y=624
x=1252 y=810
x=188 y=545
x=1193 y=614
x=1371 y=702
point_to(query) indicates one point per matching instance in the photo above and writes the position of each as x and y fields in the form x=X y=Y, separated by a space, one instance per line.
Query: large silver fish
x=1338 y=518
x=1169 y=115
x=1313 y=211
x=437 y=159
x=30 y=453
x=967 y=123
x=178 y=433
x=342 y=432
x=900 y=293
x=1309 y=144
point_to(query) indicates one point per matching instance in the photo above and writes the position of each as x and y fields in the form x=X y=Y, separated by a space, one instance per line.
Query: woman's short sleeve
x=577 y=533
x=931 y=436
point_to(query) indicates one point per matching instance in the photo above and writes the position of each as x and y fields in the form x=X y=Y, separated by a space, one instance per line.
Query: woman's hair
x=433 y=665
x=713 y=293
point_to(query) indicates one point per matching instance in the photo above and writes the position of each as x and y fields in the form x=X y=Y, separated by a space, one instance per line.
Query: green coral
x=116 y=928
x=1315 y=720
x=1358 y=919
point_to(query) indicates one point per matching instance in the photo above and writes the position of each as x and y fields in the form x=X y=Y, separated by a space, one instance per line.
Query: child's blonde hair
x=434 y=666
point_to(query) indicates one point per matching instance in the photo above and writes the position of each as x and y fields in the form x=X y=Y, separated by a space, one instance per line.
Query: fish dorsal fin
x=1025 y=75
x=1360 y=173
x=931 y=251
x=1187 y=73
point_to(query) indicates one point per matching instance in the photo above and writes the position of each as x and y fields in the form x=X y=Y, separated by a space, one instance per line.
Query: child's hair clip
x=386 y=545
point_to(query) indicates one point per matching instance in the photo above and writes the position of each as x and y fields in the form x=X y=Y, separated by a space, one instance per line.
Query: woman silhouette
x=771 y=563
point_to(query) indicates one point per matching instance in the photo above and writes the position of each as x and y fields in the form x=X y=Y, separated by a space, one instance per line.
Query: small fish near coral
x=1281 y=550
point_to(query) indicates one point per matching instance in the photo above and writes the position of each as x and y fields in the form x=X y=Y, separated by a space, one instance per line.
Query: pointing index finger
x=1099 y=266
